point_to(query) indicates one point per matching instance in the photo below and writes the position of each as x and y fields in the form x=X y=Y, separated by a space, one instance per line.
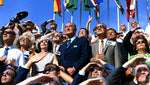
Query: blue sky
x=42 y=10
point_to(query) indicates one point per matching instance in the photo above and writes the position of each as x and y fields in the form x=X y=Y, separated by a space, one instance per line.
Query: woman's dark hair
x=140 y=37
x=50 y=46
x=87 y=32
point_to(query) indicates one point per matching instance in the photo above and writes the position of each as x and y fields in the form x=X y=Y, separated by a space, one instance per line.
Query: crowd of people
x=46 y=56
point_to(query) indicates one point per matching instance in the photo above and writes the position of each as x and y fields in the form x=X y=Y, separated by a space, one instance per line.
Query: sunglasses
x=102 y=26
x=50 y=70
x=11 y=23
x=26 y=39
x=122 y=25
x=44 y=41
x=57 y=35
x=7 y=32
x=140 y=42
x=64 y=37
x=98 y=68
x=81 y=31
x=7 y=73
x=142 y=69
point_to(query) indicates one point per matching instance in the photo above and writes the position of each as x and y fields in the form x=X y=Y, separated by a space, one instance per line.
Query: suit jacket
x=76 y=55
x=112 y=53
x=21 y=74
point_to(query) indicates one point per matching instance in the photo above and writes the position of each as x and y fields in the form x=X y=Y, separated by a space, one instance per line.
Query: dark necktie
x=68 y=43
x=6 y=52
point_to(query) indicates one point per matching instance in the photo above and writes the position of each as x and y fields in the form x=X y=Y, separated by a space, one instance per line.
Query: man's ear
x=58 y=74
x=105 y=74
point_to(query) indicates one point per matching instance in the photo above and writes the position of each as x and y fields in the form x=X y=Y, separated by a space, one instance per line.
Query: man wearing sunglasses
x=8 y=77
x=95 y=69
x=104 y=48
x=9 y=54
x=140 y=73
x=58 y=40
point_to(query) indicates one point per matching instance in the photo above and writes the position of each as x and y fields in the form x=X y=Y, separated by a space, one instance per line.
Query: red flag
x=57 y=7
x=130 y=8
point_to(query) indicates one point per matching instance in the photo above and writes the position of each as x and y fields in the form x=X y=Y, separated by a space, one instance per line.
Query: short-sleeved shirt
x=147 y=56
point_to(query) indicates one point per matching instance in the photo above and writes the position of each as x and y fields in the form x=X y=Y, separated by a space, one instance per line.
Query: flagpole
x=71 y=17
x=147 y=11
x=99 y=14
x=63 y=16
x=128 y=26
x=137 y=12
x=118 y=17
x=80 y=12
x=108 y=13
x=54 y=15
x=89 y=18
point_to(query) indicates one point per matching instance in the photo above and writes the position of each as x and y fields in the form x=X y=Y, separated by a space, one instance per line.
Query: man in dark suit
x=74 y=52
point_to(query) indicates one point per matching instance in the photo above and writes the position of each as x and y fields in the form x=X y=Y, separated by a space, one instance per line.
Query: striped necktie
x=68 y=43
x=6 y=52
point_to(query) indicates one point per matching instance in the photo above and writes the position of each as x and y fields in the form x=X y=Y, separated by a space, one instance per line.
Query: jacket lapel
x=73 y=42
x=106 y=46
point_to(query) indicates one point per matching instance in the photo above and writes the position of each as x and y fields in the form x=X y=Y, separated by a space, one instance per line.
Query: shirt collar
x=103 y=40
x=72 y=38
x=10 y=47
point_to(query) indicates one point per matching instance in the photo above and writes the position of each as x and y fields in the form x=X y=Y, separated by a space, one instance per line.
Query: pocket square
x=75 y=46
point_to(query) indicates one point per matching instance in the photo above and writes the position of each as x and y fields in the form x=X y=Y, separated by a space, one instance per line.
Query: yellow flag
x=55 y=6
x=1 y=2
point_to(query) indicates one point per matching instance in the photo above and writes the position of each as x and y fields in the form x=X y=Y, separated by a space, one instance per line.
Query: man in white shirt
x=9 y=54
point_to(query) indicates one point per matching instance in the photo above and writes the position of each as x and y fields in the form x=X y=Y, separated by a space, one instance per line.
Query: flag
x=57 y=7
x=120 y=6
x=86 y=5
x=71 y=5
x=130 y=8
x=1 y=2
x=95 y=5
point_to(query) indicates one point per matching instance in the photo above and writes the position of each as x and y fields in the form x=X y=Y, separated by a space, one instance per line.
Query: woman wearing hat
x=24 y=43
x=44 y=44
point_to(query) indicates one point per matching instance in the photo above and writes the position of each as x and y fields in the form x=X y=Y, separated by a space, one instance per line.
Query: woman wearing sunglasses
x=44 y=44
x=24 y=43
x=140 y=44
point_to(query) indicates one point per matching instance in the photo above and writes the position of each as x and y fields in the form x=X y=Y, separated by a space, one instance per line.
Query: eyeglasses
x=140 y=42
x=26 y=39
x=57 y=35
x=7 y=32
x=44 y=41
x=50 y=70
x=7 y=73
x=102 y=26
